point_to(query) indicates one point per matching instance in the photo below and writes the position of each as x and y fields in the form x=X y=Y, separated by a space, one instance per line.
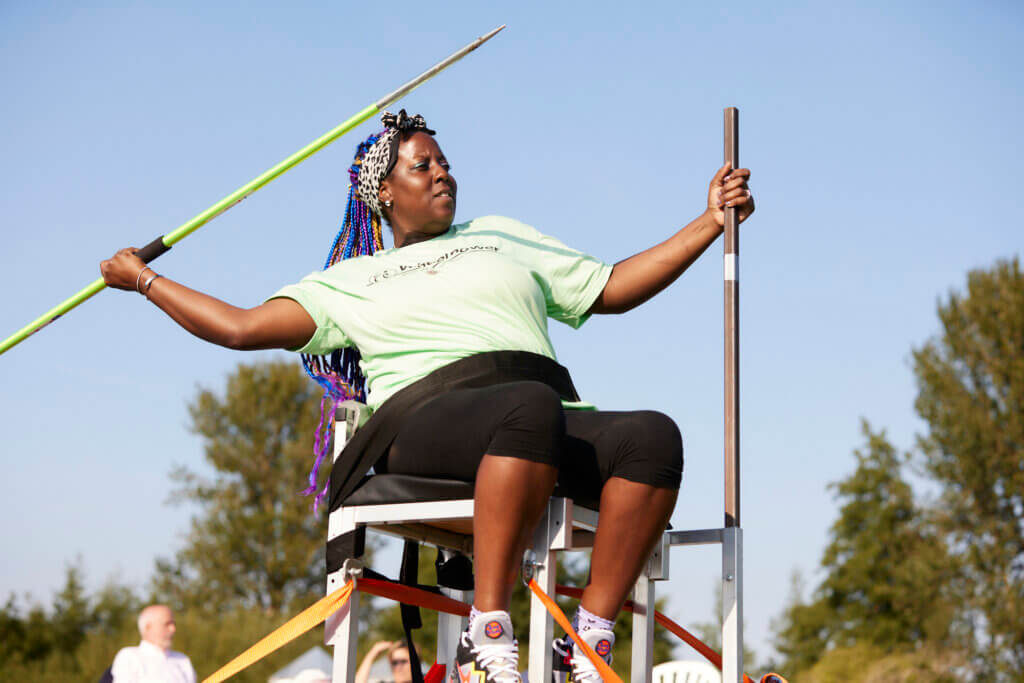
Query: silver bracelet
x=149 y=283
x=139 y=278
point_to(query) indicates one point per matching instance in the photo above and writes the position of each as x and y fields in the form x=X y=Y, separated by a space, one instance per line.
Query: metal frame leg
x=450 y=628
x=643 y=616
x=732 y=604
x=542 y=625
x=341 y=630
x=643 y=630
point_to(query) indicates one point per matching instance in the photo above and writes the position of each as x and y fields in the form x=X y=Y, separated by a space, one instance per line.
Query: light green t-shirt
x=486 y=285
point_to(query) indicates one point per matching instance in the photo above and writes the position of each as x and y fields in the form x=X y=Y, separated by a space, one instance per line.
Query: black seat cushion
x=387 y=489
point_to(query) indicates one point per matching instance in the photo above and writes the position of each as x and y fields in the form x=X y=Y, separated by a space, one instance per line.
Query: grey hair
x=145 y=616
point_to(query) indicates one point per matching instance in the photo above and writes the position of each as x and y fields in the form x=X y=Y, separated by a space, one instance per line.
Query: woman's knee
x=657 y=448
x=665 y=439
x=662 y=434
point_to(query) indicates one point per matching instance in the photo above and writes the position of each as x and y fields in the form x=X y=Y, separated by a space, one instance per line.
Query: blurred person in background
x=153 y=660
x=398 y=660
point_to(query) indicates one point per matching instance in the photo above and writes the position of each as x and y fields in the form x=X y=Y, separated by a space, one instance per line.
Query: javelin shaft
x=164 y=243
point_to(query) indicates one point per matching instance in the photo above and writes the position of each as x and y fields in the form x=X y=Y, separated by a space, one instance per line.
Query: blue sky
x=884 y=142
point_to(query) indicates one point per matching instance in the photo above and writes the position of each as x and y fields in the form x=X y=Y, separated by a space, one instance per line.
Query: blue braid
x=359 y=235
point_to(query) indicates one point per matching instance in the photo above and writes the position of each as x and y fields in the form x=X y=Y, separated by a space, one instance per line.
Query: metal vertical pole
x=732 y=545
x=732 y=335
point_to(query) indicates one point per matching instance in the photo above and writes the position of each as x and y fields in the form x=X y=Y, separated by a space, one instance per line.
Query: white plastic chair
x=686 y=672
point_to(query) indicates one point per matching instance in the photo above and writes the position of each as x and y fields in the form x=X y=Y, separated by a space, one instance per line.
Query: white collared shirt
x=148 y=663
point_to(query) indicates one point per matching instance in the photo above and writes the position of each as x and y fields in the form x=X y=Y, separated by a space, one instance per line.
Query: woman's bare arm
x=277 y=324
x=641 y=276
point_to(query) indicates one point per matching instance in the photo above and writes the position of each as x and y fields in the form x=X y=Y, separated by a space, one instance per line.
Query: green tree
x=868 y=663
x=23 y=637
x=801 y=631
x=72 y=613
x=886 y=570
x=75 y=640
x=971 y=394
x=210 y=643
x=12 y=631
x=36 y=635
x=114 y=606
x=255 y=542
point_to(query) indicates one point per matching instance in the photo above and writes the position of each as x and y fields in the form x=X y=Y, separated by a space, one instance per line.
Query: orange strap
x=292 y=629
x=606 y=672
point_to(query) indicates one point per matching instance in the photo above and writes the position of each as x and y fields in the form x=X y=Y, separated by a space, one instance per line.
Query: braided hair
x=360 y=235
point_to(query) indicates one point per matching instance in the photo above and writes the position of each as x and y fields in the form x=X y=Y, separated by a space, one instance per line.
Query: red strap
x=412 y=596
x=436 y=674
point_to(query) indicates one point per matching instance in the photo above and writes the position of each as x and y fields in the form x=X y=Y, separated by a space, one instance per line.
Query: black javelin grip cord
x=153 y=250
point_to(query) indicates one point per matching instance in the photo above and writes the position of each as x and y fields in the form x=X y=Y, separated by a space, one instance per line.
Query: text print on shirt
x=430 y=266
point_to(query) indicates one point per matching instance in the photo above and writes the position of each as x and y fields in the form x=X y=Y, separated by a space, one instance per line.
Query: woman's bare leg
x=632 y=518
x=510 y=496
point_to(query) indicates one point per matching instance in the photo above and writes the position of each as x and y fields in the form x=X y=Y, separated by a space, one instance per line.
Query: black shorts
x=448 y=436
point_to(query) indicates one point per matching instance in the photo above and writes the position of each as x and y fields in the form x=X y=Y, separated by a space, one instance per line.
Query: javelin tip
x=434 y=70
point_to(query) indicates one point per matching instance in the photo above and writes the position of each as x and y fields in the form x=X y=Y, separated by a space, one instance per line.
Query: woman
x=398 y=660
x=451 y=325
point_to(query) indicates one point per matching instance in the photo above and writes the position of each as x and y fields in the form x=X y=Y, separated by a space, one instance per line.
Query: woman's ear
x=386 y=199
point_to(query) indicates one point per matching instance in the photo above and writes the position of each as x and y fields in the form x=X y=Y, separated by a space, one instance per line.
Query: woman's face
x=401 y=670
x=421 y=189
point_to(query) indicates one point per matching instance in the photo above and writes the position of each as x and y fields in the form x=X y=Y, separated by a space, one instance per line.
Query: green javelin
x=163 y=243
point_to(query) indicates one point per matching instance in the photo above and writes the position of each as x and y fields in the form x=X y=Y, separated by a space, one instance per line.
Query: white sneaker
x=583 y=670
x=488 y=652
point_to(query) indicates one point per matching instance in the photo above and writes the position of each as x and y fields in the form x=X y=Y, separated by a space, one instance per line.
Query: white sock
x=584 y=621
x=473 y=614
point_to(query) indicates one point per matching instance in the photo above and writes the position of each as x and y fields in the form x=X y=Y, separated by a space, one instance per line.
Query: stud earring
x=388 y=203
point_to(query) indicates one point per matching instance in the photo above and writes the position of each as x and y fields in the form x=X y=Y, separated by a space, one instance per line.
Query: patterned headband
x=381 y=157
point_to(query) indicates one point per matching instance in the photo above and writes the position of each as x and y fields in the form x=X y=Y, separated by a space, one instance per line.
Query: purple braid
x=338 y=373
